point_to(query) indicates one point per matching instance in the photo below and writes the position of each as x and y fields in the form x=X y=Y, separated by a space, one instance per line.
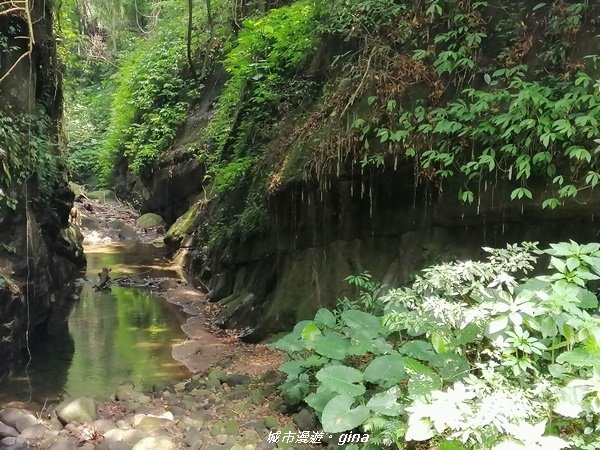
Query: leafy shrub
x=474 y=355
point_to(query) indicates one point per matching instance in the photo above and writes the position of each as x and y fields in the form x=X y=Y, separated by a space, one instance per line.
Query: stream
x=116 y=335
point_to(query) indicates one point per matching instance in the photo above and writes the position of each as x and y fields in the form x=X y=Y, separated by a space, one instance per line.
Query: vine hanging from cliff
x=21 y=9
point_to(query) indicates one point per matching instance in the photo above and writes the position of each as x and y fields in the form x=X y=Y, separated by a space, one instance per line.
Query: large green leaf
x=386 y=403
x=451 y=445
x=339 y=416
x=342 y=379
x=310 y=332
x=362 y=322
x=468 y=334
x=332 y=344
x=294 y=391
x=587 y=299
x=299 y=327
x=413 y=366
x=290 y=343
x=423 y=384
x=417 y=349
x=386 y=370
x=380 y=346
x=292 y=368
x=325 y=318
x=318 y=400
x=360 y=344
x=570 y=398
x=419 y=429
x=579 y=357
x=314 y=361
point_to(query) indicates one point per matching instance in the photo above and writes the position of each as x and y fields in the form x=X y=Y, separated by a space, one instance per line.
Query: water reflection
x=114 y=335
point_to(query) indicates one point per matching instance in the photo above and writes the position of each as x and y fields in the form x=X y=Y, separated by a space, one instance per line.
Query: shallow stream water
x=112 y=336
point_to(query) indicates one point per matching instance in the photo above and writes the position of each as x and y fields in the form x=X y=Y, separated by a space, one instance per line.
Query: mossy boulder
x=183 y=226
x=150 y=220
x=103 y=195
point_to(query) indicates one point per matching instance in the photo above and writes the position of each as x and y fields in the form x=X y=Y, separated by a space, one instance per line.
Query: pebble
x=221 y=439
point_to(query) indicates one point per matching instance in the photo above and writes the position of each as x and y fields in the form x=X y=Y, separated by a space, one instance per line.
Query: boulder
x=8 y=441
x=90 y=222
x=305 y=420
x=6 y=431
x=63 y=443
x=118 y=445
x=103 y=425
x=150 y=220
x=9 y=416
x=34 y=432
x=116 y=224
x=113 y=435
x=217 y=374
x=152 y=425
x=81 y=409
x=25 y=421
x=133 y=436
x=169 y=283
x=128 y=233
x=237 y=378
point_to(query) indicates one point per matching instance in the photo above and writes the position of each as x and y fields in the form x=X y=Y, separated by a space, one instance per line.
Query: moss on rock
x=150 y=220
x=183 y=226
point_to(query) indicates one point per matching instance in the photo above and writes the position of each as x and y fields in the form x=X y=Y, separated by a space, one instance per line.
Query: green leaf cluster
x=470 y=355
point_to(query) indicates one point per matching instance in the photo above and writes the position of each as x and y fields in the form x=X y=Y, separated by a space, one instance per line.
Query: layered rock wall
x=39 y=249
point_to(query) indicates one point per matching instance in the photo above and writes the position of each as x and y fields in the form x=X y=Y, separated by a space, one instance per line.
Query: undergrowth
x=470 y=355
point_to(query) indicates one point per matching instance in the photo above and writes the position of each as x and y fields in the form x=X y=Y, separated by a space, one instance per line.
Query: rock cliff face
x=39 y=249
x=277 y=259
x=269 y=280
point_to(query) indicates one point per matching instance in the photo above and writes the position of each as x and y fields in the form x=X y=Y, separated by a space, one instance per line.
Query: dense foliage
x=150 y=100
x=26 y=154
x=479 y=355
x=463 y=90
x=128 y=88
